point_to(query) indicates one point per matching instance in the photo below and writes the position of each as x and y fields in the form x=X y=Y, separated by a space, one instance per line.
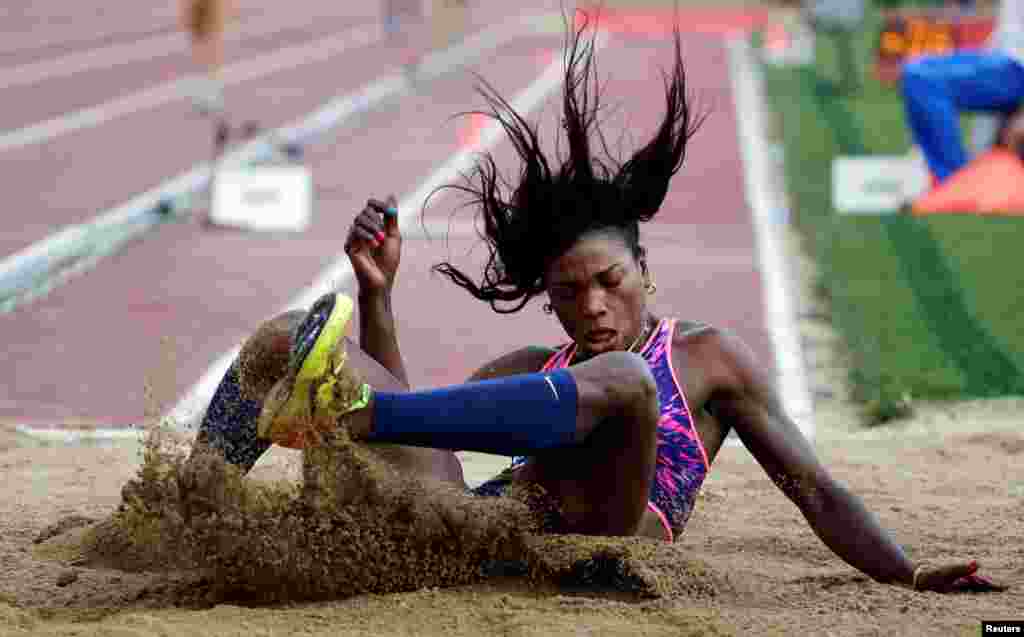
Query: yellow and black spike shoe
x=318 y=388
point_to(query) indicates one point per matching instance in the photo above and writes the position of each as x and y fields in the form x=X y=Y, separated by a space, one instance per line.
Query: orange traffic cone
x=991 y=184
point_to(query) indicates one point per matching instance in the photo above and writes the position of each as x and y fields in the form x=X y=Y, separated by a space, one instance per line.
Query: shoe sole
x=314 y=342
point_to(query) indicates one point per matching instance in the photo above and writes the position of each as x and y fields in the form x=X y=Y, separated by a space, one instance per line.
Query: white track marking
x=35 y=263
x=31 y=39
x=114 y=55
x=764 y=202
x=167 y=92
x=76 y=436
x=328 y=116
x=254 y=68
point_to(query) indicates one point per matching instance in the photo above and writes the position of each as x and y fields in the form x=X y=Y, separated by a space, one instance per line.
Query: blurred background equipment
x=873 y=183
x=448 y=18
x=271 y=195
x=911 y=32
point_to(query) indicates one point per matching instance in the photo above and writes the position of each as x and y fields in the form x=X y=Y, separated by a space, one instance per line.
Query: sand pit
x=946 y=482
x=352 y=525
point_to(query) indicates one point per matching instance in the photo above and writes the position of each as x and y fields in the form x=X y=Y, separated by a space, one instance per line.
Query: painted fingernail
x=391 y=210
x=380 y=236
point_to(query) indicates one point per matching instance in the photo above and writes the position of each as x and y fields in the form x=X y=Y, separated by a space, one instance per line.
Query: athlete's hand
x=955 y=578
x=374 y=245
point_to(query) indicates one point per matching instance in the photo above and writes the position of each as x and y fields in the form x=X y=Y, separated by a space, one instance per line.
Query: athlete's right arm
x=374 y=246
x=521 y=361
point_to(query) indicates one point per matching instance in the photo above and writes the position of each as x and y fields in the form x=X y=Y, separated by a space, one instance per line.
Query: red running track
x=128 y=338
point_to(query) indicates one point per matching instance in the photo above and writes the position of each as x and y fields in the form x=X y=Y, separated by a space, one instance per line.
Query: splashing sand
x=354 y=525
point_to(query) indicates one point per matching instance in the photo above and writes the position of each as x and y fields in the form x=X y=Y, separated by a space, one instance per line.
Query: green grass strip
x=891 y=348
x=986 y=367
x=984 y=250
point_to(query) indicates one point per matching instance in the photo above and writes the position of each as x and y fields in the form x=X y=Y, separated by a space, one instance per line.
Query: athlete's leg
x=229 y=426
x=592 y=429
x=604 y=483
x=592 y=426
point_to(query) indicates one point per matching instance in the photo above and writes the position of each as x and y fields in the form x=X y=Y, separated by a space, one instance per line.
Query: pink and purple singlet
x=682 y=462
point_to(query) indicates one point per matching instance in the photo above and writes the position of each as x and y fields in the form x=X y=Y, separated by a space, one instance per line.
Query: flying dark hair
x=549 y=210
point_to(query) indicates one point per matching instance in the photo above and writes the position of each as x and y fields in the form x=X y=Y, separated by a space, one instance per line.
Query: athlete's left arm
x=743 y=398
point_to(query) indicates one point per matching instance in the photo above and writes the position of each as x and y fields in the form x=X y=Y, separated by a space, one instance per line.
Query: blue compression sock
x=516 y=415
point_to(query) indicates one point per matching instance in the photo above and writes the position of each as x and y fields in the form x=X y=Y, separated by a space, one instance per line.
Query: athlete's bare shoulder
x=707 y=340
x=692 y=329
x=704 y=347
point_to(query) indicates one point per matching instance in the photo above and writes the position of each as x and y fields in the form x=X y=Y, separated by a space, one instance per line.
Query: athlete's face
x=597 y=290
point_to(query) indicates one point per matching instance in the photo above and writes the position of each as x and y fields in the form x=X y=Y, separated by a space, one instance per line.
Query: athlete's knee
x=630 y=382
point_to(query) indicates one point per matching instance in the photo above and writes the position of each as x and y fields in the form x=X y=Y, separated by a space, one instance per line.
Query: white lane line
x=31 y=41
x=74 y=436
x=33 y=266
x=88 y=242
x=764 y=202
x=253 y=68
x=190 y=408
x=115 y=55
